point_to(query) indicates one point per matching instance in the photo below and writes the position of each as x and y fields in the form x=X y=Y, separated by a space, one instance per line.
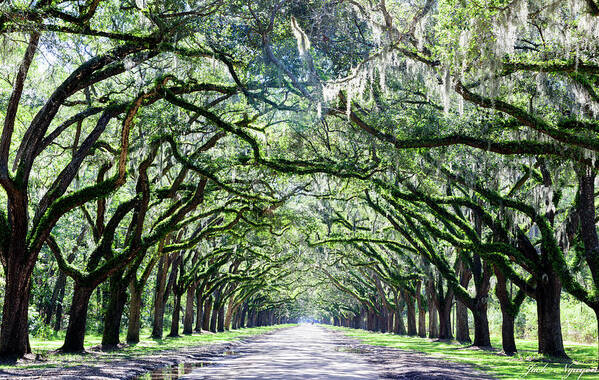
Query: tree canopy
x=236 y=163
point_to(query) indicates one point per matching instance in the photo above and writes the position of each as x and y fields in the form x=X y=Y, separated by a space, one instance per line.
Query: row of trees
x=503 y=185
x=454 y=142
x=125 y=163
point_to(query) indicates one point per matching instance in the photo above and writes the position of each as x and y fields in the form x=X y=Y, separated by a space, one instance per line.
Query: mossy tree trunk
x=411 y=313
x=462 y=329
x=114 y=311
x=221 y=318
x=55 y=304
x=242 y=318
x=207 y=313
x=399 y=328
x=589 y=237
x=230 y=313
x=548 y=296
x=481 y=324
x=176 y=317
x=160 y=296
x=509 y=311
x=371 y=325
x=444 y=303
x=445 y=320
x=59 y=310
x=433 y=327
x=136 y=287
x=199 y=309
x=134 y=323
x=390 y=322
x=188 y=318
x=382 y=320
x=14 y=342
x=421 y=310
x=75 y=335
x=214 y=316
x=481 y=271
x=251 y=314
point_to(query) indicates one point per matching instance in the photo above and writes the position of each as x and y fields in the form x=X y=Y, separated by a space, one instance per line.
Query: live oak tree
x=84 y=96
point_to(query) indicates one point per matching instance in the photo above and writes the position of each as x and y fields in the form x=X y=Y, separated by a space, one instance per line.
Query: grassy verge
x=44 y=348
x=527 y=364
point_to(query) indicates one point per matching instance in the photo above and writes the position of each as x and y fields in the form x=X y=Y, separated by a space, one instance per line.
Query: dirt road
x=304 y=352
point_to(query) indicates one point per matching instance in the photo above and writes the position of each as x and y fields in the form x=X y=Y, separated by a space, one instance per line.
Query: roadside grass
x=527 y=364
x=46 y=357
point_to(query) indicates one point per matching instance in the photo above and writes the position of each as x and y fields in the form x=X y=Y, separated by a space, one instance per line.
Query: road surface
x=303 y=352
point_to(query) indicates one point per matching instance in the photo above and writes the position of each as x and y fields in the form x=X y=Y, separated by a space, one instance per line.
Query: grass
x=44 y=348
x=527 y=364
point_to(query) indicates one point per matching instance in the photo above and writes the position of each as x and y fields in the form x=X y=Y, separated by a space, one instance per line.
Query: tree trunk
x=242 y=317
x=400 y=328
x=176 y=314
x=462 y=330
x=371 y=319
x=363 y=320
x=214 y=316
x=58 y=318
x=390 y=322
x=114 y=312
x=59 y=288
x=57 y=299
x=421 y=322
x=207 y=313
x=588 y=232
x=433 y=325
x=59 y=308
x=548 y=294
x=188 y=318
x=257 y=319
x=597 y=319
x=229 y=314
x=75 y=336
x=14 y=339
x=482 y=337
x=134 y=314
x=383 y=320
x=250 y=318
x=411 y=314
x=508 y=340
x=421 y=311
x=433 y=329
x=159 y=295
x=445 y=318
x=199 y=310
x=235 y=319
x=221 y=319
x=482 y=280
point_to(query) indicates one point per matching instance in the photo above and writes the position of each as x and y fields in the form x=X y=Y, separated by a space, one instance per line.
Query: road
x=303 y=352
